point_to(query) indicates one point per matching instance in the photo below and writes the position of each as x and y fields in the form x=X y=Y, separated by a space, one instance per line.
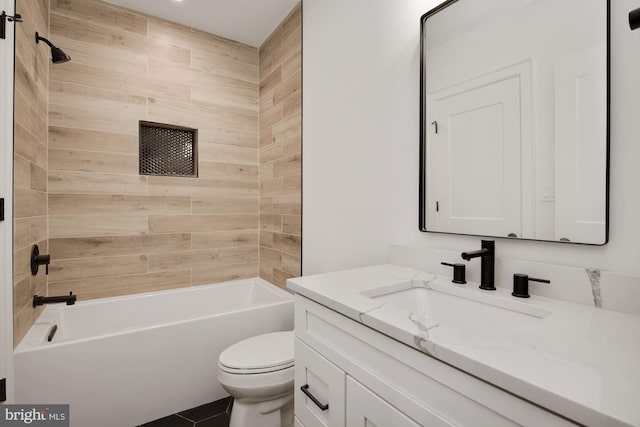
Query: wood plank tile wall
x=78 y=193
x=113 y=231
x=280 y=151
x=30 y=160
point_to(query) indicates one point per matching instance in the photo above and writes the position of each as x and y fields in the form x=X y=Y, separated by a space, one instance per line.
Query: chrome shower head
x=57 y=55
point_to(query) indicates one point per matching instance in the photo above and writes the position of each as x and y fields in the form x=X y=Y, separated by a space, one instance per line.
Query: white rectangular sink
x=439 y=299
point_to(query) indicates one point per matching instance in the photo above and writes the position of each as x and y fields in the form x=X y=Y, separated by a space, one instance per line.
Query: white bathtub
x=125 y=361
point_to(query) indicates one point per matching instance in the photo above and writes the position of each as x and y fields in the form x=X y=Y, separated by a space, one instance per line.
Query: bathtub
x=124 y=361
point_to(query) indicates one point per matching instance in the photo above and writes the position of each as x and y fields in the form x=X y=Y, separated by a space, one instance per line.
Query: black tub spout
x=68 y=299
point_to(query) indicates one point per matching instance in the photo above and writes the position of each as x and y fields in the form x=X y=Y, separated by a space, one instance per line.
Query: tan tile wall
x=113 y=231
x=280 y=151
x=30 y=159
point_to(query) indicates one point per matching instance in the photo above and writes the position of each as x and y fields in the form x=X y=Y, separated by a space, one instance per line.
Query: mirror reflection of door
x=476 y=139
x=581 y=99
x=518 y=90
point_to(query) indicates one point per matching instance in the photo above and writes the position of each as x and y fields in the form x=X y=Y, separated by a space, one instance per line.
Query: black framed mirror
x=514 y=114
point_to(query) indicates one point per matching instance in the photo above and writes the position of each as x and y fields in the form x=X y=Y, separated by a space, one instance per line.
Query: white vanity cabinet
x=366 y=407
x=367 y=378
x=326 y=384
x=340 y=399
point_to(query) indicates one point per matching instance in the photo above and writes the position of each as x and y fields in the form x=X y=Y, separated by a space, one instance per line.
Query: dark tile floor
x=215 y=414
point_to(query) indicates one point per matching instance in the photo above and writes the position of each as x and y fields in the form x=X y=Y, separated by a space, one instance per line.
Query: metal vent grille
x=168 y=150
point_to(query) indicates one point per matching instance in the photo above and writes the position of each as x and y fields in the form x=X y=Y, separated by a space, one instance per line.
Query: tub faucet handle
x=37 y=260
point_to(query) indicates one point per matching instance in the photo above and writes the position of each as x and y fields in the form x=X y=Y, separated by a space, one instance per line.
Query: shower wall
x=280 y=152
x=78 y=193
x=29 y=160
x=111 y=230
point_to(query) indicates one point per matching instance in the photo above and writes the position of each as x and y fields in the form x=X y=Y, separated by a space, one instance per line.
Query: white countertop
x=578 y=361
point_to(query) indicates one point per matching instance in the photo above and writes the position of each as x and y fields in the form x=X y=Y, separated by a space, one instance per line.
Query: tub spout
x=40 y=300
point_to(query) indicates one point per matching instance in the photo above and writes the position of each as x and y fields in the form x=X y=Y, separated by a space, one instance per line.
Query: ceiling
x=245 y=21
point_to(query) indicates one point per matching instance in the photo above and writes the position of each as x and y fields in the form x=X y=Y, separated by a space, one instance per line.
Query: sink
x=445 y=300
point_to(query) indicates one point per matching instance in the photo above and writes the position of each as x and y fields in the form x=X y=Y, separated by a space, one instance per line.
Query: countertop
x=580 y=362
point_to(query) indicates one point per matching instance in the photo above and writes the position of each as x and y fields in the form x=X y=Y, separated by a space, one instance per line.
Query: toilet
x=258 y=373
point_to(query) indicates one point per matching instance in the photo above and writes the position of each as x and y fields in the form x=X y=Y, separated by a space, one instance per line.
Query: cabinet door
x=297 y=423
x=366 y=409
x=322 y=381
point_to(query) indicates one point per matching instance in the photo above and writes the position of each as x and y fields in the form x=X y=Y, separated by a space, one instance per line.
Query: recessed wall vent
x=168 y=150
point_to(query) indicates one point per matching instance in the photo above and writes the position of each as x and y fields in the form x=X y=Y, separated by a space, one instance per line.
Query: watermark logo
x=34 y=415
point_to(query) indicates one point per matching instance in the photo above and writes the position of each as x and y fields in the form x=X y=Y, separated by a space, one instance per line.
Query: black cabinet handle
x=305 y=390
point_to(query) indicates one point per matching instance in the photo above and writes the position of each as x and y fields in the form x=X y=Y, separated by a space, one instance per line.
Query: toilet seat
x=260 y=354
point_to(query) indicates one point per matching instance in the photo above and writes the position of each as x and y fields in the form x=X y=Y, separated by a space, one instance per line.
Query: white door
x=479 y=134
x=581 y=146
x=6 y=192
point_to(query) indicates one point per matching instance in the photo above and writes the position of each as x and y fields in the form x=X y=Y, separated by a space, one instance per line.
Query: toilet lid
x=262 y=353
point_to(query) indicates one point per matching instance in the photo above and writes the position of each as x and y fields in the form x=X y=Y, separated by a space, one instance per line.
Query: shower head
x=57 y=55
x=634 y=19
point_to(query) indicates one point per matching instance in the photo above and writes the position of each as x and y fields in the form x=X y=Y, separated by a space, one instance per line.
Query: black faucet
x=69 y=299
x=488 y=263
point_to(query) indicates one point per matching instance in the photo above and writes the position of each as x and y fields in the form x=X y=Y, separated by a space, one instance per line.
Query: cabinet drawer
x=366 y=408
x=322 y=381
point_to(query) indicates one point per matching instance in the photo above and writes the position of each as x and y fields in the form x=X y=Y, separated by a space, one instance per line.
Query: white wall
x=360 y=141
x=357 y=108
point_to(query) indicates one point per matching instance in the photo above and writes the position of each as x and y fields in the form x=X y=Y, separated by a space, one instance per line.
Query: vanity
x=389 y=345
x=514 y=144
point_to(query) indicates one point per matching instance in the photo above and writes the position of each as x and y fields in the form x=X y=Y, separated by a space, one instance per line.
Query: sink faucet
x=40 y=300
x=487 y=254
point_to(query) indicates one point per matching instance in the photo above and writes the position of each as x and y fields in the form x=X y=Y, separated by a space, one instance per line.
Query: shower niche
x=168 y=150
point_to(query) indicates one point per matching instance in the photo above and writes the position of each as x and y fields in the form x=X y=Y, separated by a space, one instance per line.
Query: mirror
x=515 y=119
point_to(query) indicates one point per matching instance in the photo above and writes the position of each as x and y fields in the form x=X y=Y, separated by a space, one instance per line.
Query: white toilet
x=258 y=374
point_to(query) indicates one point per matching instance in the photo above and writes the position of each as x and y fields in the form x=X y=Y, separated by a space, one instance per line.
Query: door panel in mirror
x=514 y=119
x=475 y=119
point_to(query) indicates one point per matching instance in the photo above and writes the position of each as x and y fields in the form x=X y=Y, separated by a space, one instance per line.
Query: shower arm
x=38 y=38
